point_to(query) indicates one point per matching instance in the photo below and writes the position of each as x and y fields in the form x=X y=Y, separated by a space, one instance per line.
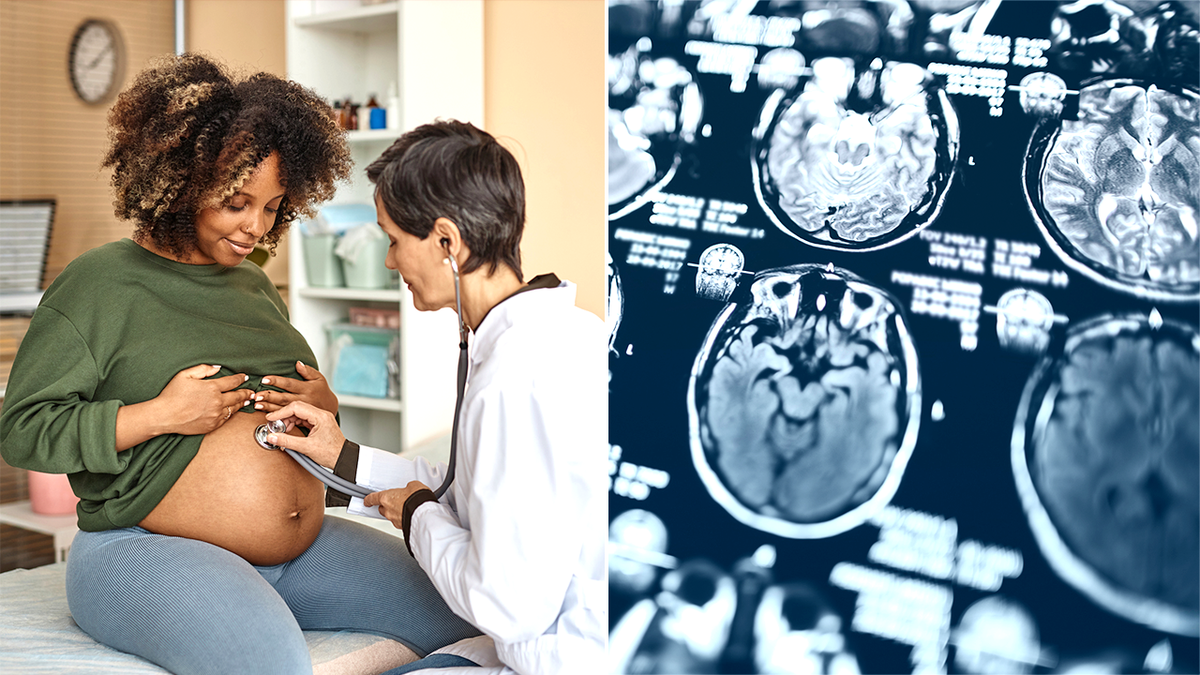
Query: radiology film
x=904 y=313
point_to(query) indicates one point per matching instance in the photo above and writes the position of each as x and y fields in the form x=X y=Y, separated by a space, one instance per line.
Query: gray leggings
x=192 y=607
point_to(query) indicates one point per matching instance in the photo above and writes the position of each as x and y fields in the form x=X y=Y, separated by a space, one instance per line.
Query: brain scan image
x=1102 y=36
x=653 y=110
x=856 y=159
x=1042 y=94
x=804 y=402
x=998 y=636
x=637 y=546
x=1106 y=453
x=1116 y=193
x=797 y=632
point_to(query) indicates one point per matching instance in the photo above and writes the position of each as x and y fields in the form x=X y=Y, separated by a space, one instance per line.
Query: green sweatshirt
x=112 y=330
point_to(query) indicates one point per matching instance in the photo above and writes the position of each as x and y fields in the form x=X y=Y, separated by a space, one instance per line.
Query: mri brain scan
x=1107 y=458
x=1117 y=192
x=654 y=108
x=856 y=160
x=804 y=402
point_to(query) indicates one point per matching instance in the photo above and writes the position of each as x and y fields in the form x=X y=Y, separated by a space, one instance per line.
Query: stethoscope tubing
x=328 y=477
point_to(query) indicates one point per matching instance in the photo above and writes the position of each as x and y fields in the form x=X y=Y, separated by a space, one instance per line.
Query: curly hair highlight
x=187 y=134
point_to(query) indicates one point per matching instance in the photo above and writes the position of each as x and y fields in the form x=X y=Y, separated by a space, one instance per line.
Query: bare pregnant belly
x=256 y=503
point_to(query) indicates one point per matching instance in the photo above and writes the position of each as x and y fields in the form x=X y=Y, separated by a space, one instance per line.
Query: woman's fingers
x=199 y=372
x=228 y=404
x=267 y=406
x=230 y=382
x=235 y=400
x=284 y=383
x=308 y=372
x=313 y=389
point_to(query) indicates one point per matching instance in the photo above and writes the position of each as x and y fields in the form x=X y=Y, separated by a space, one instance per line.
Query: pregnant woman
x=150 y=362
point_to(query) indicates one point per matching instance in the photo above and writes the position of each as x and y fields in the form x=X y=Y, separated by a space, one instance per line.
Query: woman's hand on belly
x=257 y=503
x=313 y=389
x=189 y=405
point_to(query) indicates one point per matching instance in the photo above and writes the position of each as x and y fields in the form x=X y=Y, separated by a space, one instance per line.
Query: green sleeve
x=49 y=422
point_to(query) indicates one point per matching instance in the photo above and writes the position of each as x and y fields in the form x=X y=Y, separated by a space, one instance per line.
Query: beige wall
x=544 y=74
x=246 y=35
x=249 y=36
x=51 y=143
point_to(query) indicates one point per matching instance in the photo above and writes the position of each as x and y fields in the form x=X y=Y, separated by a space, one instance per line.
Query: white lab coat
x=517 y=545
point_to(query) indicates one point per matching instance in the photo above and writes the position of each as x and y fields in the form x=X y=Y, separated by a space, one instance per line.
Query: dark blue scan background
x=961 y=467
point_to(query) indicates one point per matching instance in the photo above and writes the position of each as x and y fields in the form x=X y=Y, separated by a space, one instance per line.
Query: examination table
x=38 y=635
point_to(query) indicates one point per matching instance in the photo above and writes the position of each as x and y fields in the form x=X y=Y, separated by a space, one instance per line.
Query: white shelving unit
x=62 y=528
x=433 y=51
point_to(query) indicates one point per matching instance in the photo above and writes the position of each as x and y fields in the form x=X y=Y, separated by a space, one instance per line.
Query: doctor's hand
x=391 y=502
x=313 y=389
x=325 y=439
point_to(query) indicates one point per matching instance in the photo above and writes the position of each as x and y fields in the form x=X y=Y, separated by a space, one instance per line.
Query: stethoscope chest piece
x=264 y=430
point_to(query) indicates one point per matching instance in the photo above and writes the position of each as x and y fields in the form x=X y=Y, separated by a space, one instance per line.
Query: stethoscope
x=350 y=487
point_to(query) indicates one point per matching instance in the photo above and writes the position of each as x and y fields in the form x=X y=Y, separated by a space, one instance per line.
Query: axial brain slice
x=1122 y=184
x=851 y=176
x=1117 y=464
x=801 y=418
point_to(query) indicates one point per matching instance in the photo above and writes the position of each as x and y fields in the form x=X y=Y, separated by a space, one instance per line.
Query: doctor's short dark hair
x=451 y=169
x=188 y=133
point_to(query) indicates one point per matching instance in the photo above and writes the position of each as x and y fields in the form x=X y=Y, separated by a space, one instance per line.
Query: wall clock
x=95 y=61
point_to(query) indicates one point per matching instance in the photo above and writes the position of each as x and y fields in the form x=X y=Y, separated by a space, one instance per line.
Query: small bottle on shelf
x=376 y=116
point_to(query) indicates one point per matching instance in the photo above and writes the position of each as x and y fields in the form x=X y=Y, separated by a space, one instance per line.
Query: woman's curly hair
x=187 y=134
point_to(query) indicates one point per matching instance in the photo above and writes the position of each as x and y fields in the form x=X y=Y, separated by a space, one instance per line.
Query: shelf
x=381 y=295
x=368 y=403
x=372 y=135
x=62 y=528
x=346 y=47
x=364 y=19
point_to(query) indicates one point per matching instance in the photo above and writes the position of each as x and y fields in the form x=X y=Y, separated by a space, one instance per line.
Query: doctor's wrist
x=345 y=467
x=414 y=501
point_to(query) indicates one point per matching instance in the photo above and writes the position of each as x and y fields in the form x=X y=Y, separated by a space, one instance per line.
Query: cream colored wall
x=51 y=142
x=544 y=74
x=249 y=37
x=246 y=35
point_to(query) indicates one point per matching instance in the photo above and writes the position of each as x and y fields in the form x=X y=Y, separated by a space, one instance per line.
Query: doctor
x=516 y=544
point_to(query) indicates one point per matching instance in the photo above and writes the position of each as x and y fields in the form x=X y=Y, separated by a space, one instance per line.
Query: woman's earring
x=445 y=261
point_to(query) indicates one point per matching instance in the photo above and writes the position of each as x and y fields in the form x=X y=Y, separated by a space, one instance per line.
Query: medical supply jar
x=50 y=494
